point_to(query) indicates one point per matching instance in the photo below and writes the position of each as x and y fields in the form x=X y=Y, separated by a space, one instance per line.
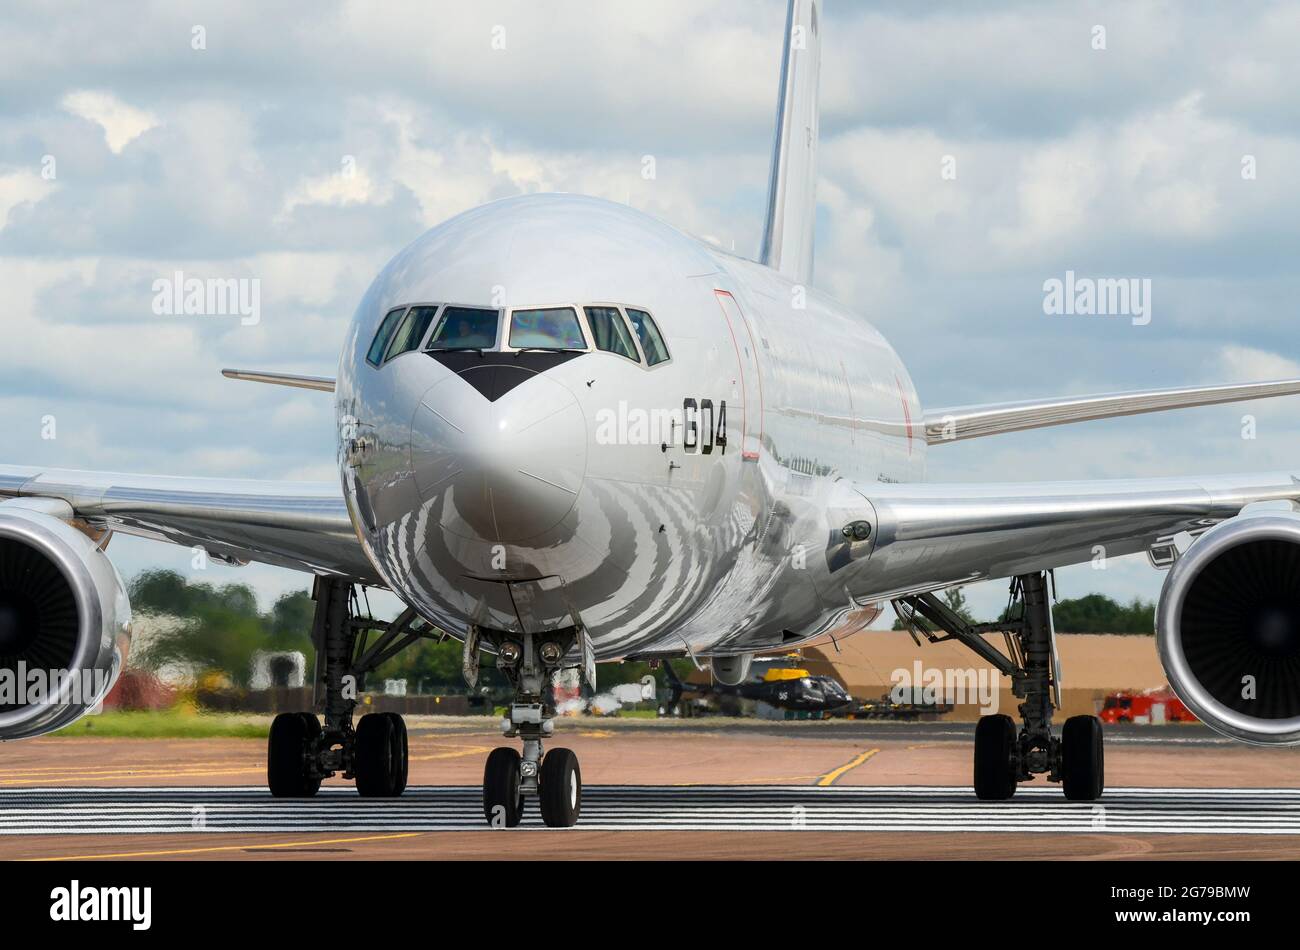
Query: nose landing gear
x=511 y=778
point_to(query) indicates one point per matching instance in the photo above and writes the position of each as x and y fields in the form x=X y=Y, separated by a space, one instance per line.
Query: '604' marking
x=705 y=429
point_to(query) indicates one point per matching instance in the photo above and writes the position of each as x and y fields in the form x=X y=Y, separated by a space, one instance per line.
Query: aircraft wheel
x=380 y=755
x=503 y=803
x=995 y=764
x=1083 y=774
x=290 y=749
x=400 y=725
x=560 y=789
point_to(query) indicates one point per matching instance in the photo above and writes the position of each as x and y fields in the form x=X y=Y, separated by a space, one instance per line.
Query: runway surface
x=225 y=809
x=671 y=790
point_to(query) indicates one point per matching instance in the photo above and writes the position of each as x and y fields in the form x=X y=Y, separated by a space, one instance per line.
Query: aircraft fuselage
x=699 y=503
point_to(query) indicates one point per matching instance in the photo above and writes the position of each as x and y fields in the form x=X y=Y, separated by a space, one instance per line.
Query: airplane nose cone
x=506 y=470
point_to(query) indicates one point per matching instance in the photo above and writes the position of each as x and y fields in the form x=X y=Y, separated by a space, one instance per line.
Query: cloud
x=338 y=190
x=306 y=151
x=21 y=187
x=1247 y=364
x=121 y=123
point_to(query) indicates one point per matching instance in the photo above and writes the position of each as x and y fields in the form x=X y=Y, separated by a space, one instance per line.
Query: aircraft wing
x=954 y=424
x=299 y=525
x=930 y=536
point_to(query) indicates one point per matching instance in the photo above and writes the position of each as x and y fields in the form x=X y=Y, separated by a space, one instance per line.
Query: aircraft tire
x=380 y=756
x=503 y=803
x=1083 y=773
x=292 y=740
x=560 y=789
x=400 y=725
x=995 y=765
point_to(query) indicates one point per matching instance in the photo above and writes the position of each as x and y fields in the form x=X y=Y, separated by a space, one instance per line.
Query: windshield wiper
x=548 y=349
x=455 y=349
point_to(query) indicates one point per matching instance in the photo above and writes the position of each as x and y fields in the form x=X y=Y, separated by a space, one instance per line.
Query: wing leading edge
x=322 y=384
x=300 y=525
x=972 y=422
x=931 y=536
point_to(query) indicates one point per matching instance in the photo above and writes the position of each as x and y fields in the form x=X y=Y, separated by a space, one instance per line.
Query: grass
x=179 y=722
x=183 y=722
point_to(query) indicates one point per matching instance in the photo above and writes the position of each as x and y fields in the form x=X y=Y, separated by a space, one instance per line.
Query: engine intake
x=65 y=621
x=1228 y=628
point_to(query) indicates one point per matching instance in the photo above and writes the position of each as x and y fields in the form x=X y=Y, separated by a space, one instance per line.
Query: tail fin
x=792 y=184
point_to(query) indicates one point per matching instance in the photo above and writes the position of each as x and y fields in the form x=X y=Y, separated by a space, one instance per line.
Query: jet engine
x=65 y=621
x=1228 y=628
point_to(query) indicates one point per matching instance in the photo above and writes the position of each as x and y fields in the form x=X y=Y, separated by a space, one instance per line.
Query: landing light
x=857 y=530
x=551 y=652
x=509 y=652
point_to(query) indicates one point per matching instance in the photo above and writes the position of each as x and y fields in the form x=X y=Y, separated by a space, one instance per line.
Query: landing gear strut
x=510 y=778
x=300 y=752
x=1005 y=756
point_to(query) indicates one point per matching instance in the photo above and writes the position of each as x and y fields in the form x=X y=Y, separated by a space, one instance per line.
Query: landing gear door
x=748 y=386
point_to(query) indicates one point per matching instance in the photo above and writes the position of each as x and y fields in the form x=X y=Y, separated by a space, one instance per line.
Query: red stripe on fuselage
x=907 y=414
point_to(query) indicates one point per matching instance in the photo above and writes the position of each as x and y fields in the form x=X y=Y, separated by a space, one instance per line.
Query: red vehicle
x=1153 y=706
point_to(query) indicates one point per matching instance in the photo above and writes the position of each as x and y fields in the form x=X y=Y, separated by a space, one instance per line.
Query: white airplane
x=569 y=433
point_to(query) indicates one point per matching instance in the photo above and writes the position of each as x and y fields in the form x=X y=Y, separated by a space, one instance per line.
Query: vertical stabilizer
x=792 y=185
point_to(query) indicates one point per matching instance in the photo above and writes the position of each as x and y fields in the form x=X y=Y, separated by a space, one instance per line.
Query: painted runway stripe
x=101 y=811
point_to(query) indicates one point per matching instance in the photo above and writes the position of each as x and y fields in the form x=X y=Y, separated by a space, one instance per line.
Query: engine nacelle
x=65 y=621
x=1228 y=628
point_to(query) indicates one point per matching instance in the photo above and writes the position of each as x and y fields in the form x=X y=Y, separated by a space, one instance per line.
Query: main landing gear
x=300 y=751
x=509 y=777
x=1005 y=755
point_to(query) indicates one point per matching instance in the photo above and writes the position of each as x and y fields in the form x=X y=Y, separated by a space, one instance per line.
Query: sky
x=969 y=154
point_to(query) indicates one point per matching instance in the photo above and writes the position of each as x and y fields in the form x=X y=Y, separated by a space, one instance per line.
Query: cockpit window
x=610 y=333
x=652 y=342
x=375 y=354
x=411 y=331
x=555 y=328
x=465 y=328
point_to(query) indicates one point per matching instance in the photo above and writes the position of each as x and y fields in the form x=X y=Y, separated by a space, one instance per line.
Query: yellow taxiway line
x=35 y=776
x=830 y=777
x=228 y=847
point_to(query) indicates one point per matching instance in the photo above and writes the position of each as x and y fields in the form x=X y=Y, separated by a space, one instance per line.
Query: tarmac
x=666 y=789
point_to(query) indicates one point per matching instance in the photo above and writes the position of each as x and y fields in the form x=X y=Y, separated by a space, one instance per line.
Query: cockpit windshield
x=465 y=328
x=577 y=328
x=554 y=328
x=411 y=331
x=610 y=332
x=652 y=342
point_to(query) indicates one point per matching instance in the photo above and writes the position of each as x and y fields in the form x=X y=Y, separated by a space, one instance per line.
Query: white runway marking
x=102 y=811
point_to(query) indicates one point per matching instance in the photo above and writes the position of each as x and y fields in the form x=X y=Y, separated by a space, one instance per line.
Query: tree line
x=219 y=628
x=1092 y=613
